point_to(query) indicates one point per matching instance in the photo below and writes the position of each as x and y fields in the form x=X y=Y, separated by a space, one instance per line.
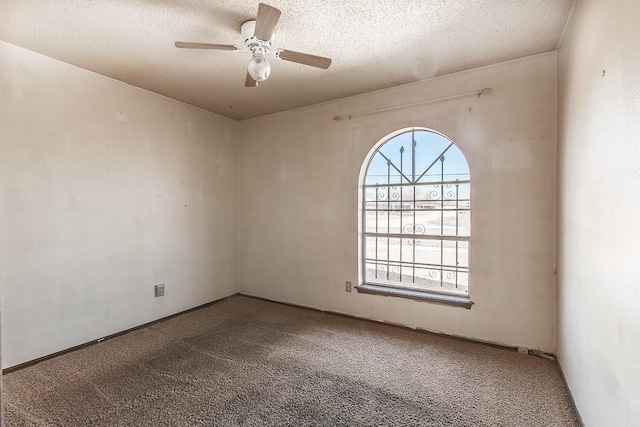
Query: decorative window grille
x=416 y=214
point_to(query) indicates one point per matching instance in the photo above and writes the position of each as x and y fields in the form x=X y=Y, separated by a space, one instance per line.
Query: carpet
x=248 y=362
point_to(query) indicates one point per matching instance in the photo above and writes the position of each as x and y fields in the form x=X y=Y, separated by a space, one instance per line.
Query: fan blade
x=266 y=22
x=304 y=58
x=249 y=82
x=184 y=45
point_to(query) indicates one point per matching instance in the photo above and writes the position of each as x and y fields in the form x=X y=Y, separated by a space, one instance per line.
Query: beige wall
x=599 y=211
x=299 y=212
x=106 y=190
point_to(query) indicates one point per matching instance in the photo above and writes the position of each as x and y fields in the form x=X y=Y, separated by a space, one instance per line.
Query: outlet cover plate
x=347 y=286
x=158 y=290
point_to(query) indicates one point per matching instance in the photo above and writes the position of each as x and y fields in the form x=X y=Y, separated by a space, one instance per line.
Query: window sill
x=453 y=300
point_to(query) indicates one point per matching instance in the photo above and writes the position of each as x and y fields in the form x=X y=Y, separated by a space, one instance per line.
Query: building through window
x=416 y=209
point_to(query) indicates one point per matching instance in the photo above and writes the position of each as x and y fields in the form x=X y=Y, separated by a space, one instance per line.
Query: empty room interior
x=355 y=213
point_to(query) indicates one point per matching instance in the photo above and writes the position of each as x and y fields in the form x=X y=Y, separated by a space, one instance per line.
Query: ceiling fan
x=257 y=35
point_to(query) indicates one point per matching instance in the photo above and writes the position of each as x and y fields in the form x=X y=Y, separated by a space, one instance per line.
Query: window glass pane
x=464 y=223
x=463 y=255
x=428 y=222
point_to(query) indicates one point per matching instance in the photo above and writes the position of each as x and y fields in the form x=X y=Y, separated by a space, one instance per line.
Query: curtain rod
x=479 y=92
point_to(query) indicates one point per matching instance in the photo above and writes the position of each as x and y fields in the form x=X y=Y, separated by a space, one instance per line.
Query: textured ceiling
x=373 y=43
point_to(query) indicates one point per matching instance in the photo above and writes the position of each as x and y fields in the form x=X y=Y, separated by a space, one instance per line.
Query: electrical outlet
x=523 y=350
x=158 y=290
x=347 y=286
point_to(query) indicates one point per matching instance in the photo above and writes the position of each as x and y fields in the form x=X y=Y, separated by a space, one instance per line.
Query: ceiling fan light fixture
x=259 y=68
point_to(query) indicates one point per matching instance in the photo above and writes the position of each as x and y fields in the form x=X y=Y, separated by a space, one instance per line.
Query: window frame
x=397 y=289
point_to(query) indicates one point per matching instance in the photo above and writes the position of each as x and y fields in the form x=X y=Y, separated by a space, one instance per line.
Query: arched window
x=415 y=224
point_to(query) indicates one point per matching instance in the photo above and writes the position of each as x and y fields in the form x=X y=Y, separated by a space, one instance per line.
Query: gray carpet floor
x=244 y=361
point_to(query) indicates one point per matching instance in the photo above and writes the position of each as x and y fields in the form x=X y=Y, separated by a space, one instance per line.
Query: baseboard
x=108 y=337
x=537 y=353
x=571 y=399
